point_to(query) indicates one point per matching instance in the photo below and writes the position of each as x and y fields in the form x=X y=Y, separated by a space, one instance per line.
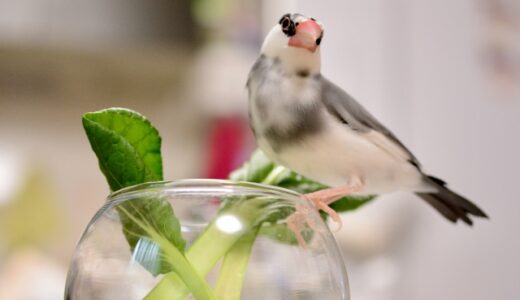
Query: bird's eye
x=286 y=16
x=288 y=26
x=286 y=23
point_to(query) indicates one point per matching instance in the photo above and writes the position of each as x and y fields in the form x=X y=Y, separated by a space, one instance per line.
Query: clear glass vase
x=205 y=239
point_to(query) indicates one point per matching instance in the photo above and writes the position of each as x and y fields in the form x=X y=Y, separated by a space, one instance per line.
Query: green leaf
x=304 y=185
x=255 y=170
x=351 y=203
x=128 y=148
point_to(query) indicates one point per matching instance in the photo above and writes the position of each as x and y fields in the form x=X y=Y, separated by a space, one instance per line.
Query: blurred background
x=443 y=75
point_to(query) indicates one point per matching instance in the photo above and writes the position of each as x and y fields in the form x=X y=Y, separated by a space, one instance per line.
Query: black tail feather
x=449 y=204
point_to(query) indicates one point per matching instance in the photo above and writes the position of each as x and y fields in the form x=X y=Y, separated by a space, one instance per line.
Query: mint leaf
x=128 y=149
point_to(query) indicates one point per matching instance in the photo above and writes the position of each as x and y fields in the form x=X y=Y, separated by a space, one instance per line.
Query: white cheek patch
x=274 y=42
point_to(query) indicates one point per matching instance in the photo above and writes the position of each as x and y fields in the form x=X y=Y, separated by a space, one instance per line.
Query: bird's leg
x=297 y=221
x=321 y=199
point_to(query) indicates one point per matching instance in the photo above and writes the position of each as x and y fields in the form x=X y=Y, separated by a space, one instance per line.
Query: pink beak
x=307 y=33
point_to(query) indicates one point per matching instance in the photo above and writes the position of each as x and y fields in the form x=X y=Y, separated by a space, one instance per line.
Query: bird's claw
x=299 y=220
x=321 y=200
x=329 y=211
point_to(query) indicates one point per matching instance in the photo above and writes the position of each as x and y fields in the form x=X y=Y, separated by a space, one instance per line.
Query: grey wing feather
x=347 y=110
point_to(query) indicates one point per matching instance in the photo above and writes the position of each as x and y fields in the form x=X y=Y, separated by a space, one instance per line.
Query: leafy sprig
x=128 y=149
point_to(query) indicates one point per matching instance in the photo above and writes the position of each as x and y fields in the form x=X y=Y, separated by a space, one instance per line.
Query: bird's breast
x=284 y=110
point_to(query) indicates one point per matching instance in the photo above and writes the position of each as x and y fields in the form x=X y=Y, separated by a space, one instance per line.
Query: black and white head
x=295 y=40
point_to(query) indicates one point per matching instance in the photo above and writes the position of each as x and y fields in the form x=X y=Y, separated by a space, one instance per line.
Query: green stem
x=272 y=178
x=210 y=247
x=181 y=266
x=234 y=267
x=194 y=283
x=170 y=287
x=213 y=244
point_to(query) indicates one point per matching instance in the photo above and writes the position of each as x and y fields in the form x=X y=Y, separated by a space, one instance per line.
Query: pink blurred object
x=229 y=144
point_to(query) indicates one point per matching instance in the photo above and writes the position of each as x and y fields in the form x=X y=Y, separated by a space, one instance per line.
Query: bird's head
x=295 y=40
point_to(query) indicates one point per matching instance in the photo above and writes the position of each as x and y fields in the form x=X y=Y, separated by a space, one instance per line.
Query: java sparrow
x=308 y=124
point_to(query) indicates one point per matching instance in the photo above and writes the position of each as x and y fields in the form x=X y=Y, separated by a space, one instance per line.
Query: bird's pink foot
x=299 y=220
x=296 y=223
x=321 y=199
x=322 y=204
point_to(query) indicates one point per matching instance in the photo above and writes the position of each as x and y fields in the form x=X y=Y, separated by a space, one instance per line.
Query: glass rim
x=201 y=185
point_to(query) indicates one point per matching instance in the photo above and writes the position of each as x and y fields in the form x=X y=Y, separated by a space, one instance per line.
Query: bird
x=305 y=122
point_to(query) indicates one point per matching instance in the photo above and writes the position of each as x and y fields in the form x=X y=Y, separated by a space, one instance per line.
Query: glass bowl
x=206 y=239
